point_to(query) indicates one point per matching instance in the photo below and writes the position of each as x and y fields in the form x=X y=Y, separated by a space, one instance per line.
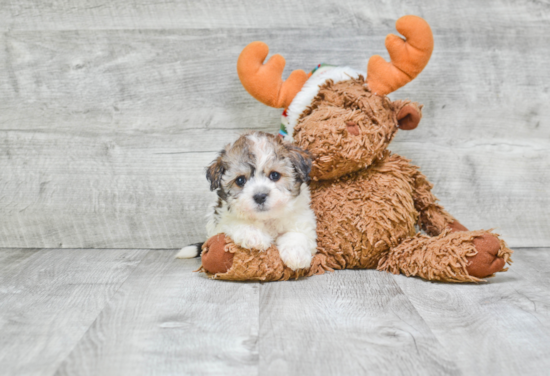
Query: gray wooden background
x=109 y=111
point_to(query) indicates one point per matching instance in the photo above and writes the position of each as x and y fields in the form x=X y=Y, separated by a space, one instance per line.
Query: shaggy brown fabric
x=361 y=226
x=367 y=200
x=433 y=218
x=357 y=220
x=440 y=258
x=456 y=226
x=323 y=128
x=252 y=265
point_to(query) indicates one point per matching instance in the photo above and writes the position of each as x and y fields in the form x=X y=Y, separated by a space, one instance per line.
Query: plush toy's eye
x=274 y=176
x=241 y=181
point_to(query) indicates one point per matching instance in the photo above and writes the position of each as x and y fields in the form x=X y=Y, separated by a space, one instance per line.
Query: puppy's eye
x=274 y=176
x=241 y=181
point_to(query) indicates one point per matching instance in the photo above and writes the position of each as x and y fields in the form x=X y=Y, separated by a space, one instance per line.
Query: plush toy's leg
x=222 y=259
x=454 y=253
x=459 y=256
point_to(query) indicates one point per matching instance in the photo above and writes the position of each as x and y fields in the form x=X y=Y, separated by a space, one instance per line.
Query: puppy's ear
x=215 y=171
x=301 y=160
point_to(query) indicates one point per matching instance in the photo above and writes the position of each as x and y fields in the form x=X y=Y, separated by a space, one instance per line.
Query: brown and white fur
x=263 y=198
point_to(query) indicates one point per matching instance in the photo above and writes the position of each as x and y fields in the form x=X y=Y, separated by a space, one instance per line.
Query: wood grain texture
x=498 y=328
x=477 y=85
x=142 y=14
x=166 y=320
x=533 y=273
x=344 y=323
x=107 y=122
x=69 y=312
x=49 y=298
x=118 y=192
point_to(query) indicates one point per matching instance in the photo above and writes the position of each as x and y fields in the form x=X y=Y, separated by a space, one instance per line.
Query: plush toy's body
x=367 y=200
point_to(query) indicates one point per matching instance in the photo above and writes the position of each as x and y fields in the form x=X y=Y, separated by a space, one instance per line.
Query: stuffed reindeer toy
x=366 y=199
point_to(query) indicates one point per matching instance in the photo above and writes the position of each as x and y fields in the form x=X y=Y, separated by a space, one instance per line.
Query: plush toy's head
x=343 y=120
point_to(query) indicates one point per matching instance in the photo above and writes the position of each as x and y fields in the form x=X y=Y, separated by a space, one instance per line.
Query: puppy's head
x=259 y=174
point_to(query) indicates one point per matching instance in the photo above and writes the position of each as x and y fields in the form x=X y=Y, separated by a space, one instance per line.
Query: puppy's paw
x=259 y=241
x=252 y=238
x=295 y=256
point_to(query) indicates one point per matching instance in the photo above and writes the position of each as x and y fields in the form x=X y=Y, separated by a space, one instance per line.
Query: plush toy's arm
x=433 y=218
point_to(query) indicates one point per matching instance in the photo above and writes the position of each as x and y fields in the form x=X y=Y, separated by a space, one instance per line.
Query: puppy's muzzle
x=260 y=198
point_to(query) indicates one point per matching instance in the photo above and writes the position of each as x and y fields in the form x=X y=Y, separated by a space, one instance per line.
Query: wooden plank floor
x=141 y=312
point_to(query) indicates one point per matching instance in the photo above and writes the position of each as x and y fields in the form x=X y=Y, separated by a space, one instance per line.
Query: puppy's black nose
x=260 y=198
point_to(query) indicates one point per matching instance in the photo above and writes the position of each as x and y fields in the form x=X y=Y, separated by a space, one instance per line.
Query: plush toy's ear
x=408 y=114
x=301 y=160
x=215 y=171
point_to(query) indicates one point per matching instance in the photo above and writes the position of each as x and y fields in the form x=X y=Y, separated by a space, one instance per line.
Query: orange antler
x=264 y=81
x=408 y=57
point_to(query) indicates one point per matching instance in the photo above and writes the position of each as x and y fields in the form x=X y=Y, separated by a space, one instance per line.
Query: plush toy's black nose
x=260 y=197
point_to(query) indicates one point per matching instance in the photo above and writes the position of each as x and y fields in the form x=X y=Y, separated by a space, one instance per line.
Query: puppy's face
x=259 y=174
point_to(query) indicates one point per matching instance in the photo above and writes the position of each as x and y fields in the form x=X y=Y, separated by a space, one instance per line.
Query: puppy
x=263 y=198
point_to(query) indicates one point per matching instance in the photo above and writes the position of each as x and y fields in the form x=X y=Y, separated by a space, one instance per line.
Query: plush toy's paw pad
x=487 y=261
x=214 y=257
x=295 y=256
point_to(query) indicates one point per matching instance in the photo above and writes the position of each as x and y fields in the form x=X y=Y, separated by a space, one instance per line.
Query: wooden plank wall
x=109 y=111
